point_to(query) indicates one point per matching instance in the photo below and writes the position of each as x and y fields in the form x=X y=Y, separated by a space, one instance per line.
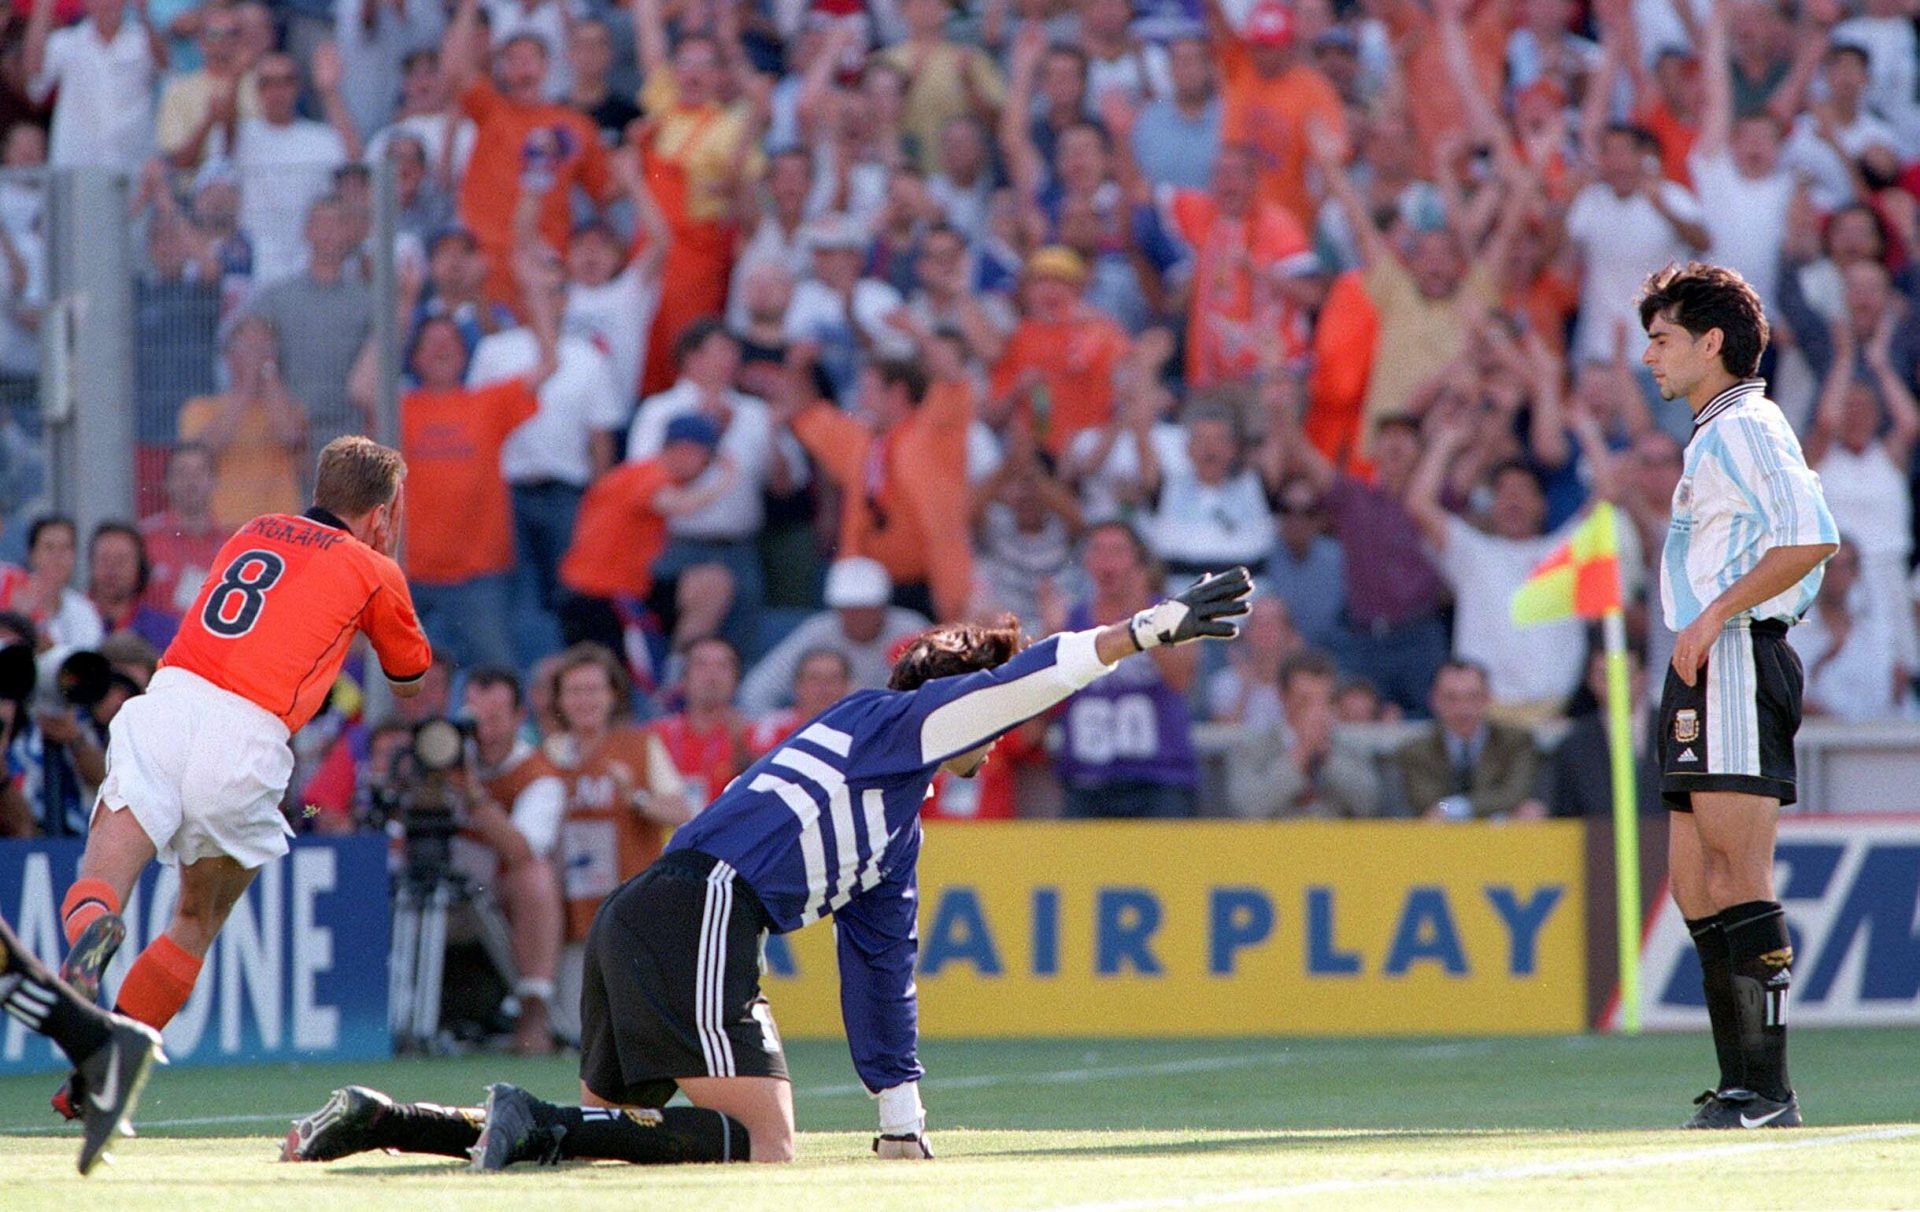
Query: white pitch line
x=1342 y=1186
x=979 y=1081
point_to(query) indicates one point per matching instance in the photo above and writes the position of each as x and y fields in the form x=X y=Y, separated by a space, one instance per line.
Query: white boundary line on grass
x=1498 y=1174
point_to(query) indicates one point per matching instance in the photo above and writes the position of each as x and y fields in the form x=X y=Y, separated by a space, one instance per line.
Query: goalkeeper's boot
x=1745 y=1109
x=343 y=1127
x=519 y=1128
x=90 y=954
x=113 y=1075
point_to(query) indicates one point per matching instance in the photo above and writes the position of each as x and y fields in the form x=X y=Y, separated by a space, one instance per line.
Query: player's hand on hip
x=1200 y=611
x=1691 y=647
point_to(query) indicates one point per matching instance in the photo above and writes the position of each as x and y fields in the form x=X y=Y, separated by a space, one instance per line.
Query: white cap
x=858 y=581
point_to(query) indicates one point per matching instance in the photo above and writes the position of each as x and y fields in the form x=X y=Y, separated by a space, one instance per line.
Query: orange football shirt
x=273 y=621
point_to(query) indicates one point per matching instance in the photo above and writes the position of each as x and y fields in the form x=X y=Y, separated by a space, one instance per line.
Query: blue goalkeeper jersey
x=829 y=823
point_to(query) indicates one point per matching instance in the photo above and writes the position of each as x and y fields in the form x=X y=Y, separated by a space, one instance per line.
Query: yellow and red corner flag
x=1581 y=579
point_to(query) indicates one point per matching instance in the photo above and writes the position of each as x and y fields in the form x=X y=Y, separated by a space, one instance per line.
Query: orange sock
x=159 y=983
x=86 y=900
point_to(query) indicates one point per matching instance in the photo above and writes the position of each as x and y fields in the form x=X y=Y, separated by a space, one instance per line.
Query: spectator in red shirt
x=708 y=739
x=183 y=538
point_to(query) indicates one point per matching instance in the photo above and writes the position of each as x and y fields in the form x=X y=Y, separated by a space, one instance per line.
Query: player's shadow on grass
x=1244 y=1142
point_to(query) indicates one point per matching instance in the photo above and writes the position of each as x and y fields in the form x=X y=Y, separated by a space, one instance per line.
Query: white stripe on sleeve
x=970 y=719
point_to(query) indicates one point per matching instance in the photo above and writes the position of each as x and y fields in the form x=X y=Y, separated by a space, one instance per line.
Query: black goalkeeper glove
x=1197 y=612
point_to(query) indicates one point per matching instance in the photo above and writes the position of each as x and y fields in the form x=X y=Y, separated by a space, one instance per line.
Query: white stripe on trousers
x=710 y=973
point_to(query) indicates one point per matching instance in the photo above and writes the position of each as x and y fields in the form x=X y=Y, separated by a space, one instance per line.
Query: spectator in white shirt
x=1212 y=509
x=1833 y=136
x=375 y=38
x=763 y=461
x=1117 y=62
x=1851 y=672
x=104 y=68
x=858 y=623
x=610 y=303
x=963 y=187
x=551 y=458
x=427 y=114
x=778 y=229
x=1861 y=443
x=1625 y=225
x=286 y=162
x=840 y=313
x=1530 y=672
x=1744 y=192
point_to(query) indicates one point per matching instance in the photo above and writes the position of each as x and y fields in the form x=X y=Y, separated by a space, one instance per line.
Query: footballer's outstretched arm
x=957 y=714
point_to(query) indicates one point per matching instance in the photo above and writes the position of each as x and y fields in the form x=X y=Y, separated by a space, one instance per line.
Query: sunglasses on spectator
x=1295 y=509
x=280 y=78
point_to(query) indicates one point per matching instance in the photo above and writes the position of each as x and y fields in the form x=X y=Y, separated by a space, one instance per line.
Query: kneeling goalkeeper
x=826 y=824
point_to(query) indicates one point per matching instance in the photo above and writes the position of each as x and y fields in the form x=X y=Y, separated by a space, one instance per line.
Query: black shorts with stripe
x=671 y=984
x=1733 y=729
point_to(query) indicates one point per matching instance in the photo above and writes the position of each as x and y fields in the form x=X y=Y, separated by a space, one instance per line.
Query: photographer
x=17 y=677
x=516 y=817
x=55 y=733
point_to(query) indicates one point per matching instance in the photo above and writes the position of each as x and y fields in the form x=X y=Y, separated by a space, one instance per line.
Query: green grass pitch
x=1579 y=1122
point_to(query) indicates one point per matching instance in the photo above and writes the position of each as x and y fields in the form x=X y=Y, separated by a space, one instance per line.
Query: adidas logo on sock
x=1686 y=755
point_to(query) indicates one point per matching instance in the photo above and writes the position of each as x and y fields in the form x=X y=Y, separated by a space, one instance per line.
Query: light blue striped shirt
x=1745 y=490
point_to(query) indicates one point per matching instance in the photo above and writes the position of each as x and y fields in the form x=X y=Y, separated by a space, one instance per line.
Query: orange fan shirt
x=618 y=534
x=273 y=622
x=1236 y=315
x=460 y=518
x=604 y=840
x=1075 y=359
x=511 y=138
x=1270 y=114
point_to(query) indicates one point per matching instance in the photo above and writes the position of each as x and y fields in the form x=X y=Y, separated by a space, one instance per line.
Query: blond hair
x=357 y=475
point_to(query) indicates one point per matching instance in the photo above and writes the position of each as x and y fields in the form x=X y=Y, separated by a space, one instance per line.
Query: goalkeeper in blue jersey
x=827 y=824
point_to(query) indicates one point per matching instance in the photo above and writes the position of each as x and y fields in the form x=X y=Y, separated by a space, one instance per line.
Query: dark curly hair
x=955 y=648
x=1700 y=298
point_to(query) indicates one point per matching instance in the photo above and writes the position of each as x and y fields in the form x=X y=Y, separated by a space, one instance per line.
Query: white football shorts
x=202 y=769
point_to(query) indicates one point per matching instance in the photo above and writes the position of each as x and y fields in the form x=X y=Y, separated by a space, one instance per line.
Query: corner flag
x=1581 y=579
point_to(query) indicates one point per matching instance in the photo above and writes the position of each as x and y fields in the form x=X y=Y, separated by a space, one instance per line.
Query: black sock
x=1761 y=957
x=32 y=994
x=1716 y=977
x=650 y=1138
x=429 y=1128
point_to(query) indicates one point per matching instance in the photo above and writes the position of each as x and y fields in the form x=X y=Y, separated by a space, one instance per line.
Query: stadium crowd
x=739 y=340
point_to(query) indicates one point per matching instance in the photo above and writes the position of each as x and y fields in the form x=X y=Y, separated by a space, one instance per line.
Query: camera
x=424 y=795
